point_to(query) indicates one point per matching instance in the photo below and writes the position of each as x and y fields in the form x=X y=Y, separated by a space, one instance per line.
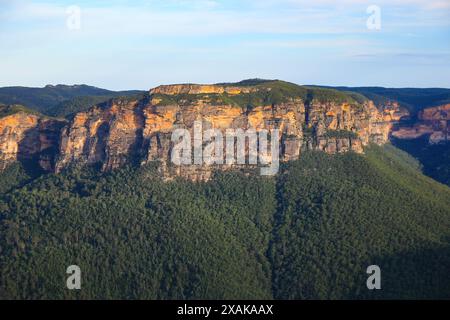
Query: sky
x=122 y=45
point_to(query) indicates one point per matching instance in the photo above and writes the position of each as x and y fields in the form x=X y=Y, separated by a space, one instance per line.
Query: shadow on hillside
x=435 y=159
x=421 y=274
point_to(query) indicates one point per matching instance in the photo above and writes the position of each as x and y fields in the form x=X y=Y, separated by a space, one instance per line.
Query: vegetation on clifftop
x=59 y=100
x=265 y=92
x=413 y=99
x=341 y=134
x=13 y=109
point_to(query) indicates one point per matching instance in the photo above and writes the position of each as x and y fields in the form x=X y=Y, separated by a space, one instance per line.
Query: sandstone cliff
x=124 y=131
x=433 y=122
x=29 y=137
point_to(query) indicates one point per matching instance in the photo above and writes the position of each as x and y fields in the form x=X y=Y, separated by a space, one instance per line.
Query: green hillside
x=338 y=215
x=310 y=233
x=84 y=103
x=59 y=100
x=435 y=158
x=414 y=99
x=63 y=100
x=7 y=110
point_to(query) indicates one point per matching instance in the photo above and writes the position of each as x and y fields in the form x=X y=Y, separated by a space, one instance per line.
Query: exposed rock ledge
x=139 y=131
x=434 y=122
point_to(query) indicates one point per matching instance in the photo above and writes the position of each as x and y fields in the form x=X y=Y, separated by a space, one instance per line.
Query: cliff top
x=7 y=110
x=250 y=93
x=436 y=113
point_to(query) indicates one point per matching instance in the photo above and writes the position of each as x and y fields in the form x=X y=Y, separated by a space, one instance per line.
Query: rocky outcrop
x=439 y=113
x=25 y=136
x=141 y=131
x=107 y=134
x=393 y=112
x=199 y=89
x=124 y=131
x=433 y=122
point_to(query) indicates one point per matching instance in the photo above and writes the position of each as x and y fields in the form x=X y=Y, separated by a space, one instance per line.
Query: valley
x=97 y=189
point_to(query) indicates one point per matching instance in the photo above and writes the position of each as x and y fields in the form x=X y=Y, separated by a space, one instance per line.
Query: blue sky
x=141 y=44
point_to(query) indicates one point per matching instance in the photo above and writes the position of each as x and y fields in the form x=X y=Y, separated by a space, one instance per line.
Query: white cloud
x=197 y=21
x=429 y=4
x=207 y=18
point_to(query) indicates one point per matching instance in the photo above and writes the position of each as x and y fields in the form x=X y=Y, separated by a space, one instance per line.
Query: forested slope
x=309 y=233
x=59 y=100
x=435 y=158
x=339 y=215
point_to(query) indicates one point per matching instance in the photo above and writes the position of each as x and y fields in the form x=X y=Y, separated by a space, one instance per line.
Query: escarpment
x=433 y=122
x=30 y=138
x=108 y=134
x=123 y=131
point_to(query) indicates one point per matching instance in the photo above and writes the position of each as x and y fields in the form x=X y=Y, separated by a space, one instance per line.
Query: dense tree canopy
x=310 y=232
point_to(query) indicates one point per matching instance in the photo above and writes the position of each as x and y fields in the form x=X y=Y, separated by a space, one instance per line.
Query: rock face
x=108 y=134
x=26 y=136
x=123 y=131
x=434 y=122
x=141 y=131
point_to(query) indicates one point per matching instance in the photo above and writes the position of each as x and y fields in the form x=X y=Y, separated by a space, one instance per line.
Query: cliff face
x=434 y=122
x=140 y=131
x=125 y=131
x=106 y=134
x=29 y=137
